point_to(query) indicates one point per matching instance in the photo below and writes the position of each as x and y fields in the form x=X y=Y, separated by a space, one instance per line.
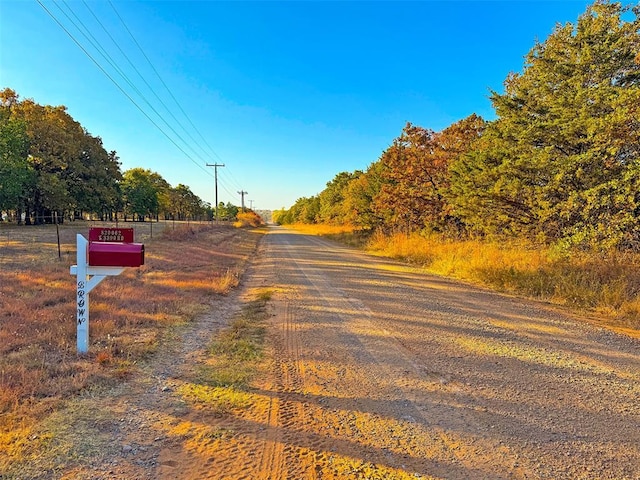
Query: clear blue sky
x=285 y=94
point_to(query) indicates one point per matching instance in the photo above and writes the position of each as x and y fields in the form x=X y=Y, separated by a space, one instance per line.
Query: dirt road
x=377 y=370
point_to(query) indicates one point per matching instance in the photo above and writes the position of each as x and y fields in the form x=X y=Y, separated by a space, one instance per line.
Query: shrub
x=248 y=219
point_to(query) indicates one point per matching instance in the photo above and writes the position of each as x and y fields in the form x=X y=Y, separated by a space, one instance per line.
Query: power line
x=98 y=46
x=242 y=194
x=144 y=79
x=171 y=134
x=229 y=192
x=122 y=90
x=163 y=82
x=227 y=181
x=124 y=54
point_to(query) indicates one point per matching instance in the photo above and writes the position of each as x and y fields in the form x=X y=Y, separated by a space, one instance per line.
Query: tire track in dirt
x=286 y=412
x=272 y=464
x=304 y=424
x=380 y=350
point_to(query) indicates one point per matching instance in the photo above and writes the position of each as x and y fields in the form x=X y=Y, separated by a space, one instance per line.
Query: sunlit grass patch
x=183 y=232
x=213 y=283
x=264 y=295
x=223 y=373
x=199 y=434
x=322 y=229
x=236 y=351
x=44 y=447
x=346 y=234
x=233 y=361
x=200 y=438
x=19 y=443
x=215 y=399
x=225 y=281
x=242 y=340
x=219 y=384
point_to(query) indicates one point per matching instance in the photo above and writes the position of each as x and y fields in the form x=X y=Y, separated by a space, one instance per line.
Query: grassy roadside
x=608 y=285
x=186 y=267
x=234 y=356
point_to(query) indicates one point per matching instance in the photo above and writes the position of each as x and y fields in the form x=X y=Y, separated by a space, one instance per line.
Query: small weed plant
x=237 y=349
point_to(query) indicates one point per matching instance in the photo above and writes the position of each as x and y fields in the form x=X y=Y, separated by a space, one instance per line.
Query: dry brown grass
x=185 y=267
x=347 y=234
x=322 y=229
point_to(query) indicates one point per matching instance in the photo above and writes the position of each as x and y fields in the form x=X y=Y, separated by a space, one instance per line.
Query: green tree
x=279 y=216
x=231 y=211
x=93 y=181
x=16 y=175
x=304 y=210
x=185 y=203
x=228 y=212
x=560 y=162
x=332 y=208
x=163 y=189
x=140 y=192
x=308 y=209
x=359 y=198
x=54 y=147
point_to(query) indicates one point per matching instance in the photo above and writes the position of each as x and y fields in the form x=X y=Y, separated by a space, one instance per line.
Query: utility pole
x=242 y=194
x=251 y=205
x=215 y=170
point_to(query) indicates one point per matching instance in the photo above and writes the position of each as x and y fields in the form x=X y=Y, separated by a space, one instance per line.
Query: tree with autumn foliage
x=51 y=166
x=332 y=198
x=561 y=163
x=359 y=195
x=415 y=175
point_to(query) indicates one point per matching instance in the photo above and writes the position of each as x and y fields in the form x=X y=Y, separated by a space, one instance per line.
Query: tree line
x=560 y=164
x=53 y=168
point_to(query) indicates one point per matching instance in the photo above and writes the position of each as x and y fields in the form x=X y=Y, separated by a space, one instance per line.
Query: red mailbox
x=110 y=254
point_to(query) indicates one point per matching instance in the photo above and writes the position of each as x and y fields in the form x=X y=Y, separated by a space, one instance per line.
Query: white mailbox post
x=107 y=252
x=87 y=277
